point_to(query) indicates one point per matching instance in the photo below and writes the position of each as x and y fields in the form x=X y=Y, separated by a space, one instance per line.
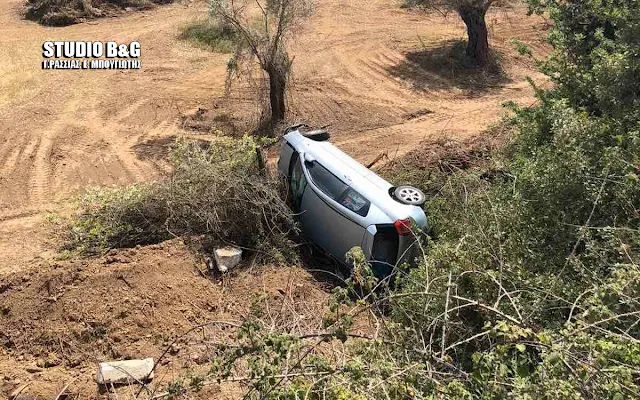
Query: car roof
x=363 y=180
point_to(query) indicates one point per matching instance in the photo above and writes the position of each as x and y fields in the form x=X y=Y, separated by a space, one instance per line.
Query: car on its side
x=341 y=204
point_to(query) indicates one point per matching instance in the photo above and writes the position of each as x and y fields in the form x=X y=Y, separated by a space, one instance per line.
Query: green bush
x=118 y=217
x=552 y=244
x=215 y=189
x=210 y=35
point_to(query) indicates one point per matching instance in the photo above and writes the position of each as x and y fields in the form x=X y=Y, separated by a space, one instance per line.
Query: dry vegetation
x=216 y=188
x=67 y=12
x=435 y=159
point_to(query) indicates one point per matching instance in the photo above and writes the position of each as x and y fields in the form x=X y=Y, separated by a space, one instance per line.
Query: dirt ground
x=376 y=73
x=132 y=303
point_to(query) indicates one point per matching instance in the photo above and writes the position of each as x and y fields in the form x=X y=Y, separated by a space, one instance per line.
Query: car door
x=326 y=207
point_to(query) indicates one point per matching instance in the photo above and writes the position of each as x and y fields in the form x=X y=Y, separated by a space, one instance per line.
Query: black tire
x=294 y=127
x=318 y=135
x=409 y=195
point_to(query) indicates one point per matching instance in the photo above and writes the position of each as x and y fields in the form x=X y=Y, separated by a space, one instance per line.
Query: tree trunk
x=478 y=44
x=277 y=85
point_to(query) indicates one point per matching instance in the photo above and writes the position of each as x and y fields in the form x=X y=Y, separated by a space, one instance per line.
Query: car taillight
x=403 y=227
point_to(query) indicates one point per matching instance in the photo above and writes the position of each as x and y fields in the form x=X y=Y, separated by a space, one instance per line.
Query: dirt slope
x=65 y=130
x=60 y=321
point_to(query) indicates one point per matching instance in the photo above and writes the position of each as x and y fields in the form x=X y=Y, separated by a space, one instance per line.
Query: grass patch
x=209 y=35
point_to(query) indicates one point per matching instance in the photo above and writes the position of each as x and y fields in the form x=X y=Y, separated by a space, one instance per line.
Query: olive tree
x=263 y=29
x=472 y=13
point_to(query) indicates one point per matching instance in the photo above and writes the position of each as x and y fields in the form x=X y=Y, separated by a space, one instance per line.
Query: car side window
x=339 y=191
x=297 y=182
x=325 y=180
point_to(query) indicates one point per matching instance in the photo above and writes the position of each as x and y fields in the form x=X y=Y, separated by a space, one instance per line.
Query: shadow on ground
x=154 y=149
x=322 y=267
x=446 y=67
x=215 y=120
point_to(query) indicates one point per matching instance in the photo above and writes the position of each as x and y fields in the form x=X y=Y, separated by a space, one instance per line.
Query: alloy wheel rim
x=410 y=195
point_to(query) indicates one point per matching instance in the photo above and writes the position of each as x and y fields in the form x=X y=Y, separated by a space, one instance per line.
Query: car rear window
x=355 y=202
x=339 y=191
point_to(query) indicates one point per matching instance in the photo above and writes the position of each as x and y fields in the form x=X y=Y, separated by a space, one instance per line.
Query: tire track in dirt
x=365 y=83
x=367 y=73
x=41 y=174
x=10 y=160
x=356 y=87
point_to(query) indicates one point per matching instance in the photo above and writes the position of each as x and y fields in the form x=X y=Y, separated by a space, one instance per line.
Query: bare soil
x=60 y=321
x=380 y=76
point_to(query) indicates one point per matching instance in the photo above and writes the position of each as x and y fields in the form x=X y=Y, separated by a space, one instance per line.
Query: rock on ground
x=227 y=258
x=125 y=371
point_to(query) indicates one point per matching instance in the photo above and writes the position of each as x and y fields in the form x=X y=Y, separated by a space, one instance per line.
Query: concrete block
x=128 y=371
x=227 y=258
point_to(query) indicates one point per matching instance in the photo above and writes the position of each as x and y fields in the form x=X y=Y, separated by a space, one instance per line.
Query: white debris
x=227 y=258
x=128 y=371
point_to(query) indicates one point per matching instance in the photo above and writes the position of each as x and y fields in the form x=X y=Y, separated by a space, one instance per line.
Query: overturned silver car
x=342 y=204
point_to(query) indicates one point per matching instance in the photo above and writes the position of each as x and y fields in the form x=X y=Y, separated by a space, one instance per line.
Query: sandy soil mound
x=58 y=322
x=449 y=155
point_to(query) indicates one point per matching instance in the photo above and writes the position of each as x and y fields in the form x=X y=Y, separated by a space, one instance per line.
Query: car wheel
x=409 y=195
x=318 y=135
